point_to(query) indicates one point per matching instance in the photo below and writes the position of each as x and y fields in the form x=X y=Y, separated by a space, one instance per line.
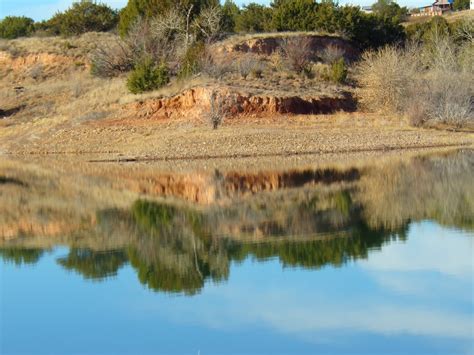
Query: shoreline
x=304 y=137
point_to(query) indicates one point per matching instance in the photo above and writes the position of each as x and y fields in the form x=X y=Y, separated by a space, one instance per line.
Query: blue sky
x=43 y=9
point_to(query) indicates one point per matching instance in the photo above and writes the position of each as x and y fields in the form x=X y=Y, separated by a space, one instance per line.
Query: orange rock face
x=194 y=102
x=54 y=63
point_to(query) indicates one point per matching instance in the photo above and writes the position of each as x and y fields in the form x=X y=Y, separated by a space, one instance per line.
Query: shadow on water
x=178 y=247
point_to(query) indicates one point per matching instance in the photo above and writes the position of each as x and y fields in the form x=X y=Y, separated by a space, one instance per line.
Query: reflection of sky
x=408 y=298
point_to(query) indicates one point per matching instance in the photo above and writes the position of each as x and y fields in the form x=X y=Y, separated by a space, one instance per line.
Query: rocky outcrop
x=192 y=103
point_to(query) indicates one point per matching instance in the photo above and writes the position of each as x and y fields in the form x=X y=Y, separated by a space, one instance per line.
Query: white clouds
x=306 y=316
x=389 y=294
x=432 y=248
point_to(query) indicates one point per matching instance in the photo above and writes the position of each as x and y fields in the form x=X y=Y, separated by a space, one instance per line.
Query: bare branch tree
x=220 y=107
x=297 y=51
x=209 y=22
x=112 y=59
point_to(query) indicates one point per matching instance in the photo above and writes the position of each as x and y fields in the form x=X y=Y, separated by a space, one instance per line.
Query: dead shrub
x=112 y=59
x=297 y=53
x=213 y=67
x=331 y=54
x=385 y=77
x=220 y=107
x=449 y=97
x=247 y=64
x=434 y=87
x=36 y=72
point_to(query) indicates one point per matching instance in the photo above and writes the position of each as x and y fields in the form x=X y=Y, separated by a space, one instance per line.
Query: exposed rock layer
x=193 y=102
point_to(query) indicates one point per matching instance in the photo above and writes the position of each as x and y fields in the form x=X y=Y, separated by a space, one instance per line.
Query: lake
x=374 y=257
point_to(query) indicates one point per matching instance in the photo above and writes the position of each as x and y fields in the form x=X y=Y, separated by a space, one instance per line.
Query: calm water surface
x=358 y=260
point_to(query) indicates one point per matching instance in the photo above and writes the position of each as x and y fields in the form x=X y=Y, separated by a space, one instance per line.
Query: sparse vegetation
x=297 y=52
x=430 y=83
x=246 y=65
x=331 y=54
x=111 y=59
x=220 y=107
x=165 y=42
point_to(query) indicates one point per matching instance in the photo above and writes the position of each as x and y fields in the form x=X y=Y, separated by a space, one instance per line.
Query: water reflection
x=21 y=256
x=309 y=219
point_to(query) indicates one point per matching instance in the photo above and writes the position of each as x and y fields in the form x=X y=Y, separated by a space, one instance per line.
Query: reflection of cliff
x=51 y=202
x=178 y=249
x=439 y=188
x=308 y=219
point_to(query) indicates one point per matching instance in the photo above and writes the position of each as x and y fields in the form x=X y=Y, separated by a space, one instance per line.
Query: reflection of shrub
x=147 y=77
x=343 y=202
x=14 y=27
x=19 y=256
x=95 y=265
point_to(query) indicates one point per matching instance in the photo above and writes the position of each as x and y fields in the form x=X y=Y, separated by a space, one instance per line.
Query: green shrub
x=14 y=27
x=191 y=63
x=147 y=77
x=461 y=4
x=230 y=12
x=254 y=18
x=83 y=16
x=338 y=71
x=390 y=10
x=294 y=15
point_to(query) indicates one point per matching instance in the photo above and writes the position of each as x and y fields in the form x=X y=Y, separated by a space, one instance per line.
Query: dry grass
x=420 y=188
x=72 y=46
x=385 y=77
x=429 y=84
x=49 y=201
x=297 y=52
x=238 y=38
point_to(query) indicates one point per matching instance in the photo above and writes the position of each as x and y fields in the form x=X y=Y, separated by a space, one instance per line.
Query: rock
x=195 y=102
